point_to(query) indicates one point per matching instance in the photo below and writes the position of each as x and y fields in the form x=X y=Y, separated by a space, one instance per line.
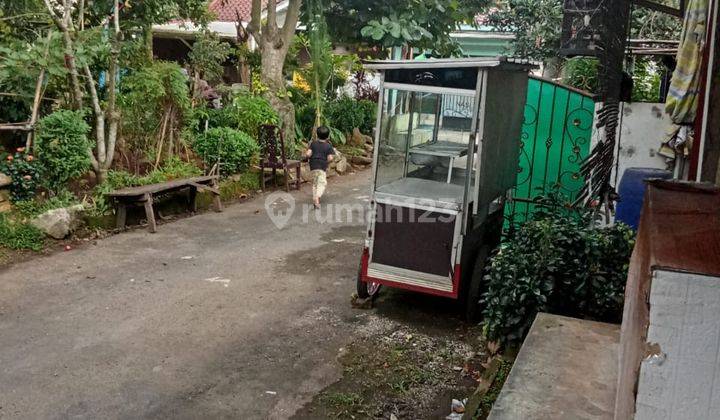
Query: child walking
x=320 y=153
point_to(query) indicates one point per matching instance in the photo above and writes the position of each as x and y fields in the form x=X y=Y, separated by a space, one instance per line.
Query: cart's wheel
x=472 y=299
x=366 y=289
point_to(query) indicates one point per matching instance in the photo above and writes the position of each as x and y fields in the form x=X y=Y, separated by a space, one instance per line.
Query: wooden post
x=710 y=164
x=192 y=202
x=216 y=196
x=121 y=215
x=149 y=213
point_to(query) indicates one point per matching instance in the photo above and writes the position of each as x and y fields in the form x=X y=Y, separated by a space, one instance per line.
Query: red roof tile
x=226 y=9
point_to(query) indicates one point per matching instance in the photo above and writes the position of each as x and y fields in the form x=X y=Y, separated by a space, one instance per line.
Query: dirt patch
x=412 y=371
x=340 y=245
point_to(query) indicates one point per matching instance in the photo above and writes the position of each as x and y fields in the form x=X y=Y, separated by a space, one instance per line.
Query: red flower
x=10 y=157
x=27 y=177
x=20 y=149
x=29 y=158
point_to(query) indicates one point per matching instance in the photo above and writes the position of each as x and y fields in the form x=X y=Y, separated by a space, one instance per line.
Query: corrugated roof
x=446 y=62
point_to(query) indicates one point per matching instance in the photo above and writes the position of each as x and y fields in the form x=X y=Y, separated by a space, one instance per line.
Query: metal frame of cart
x=446 y=153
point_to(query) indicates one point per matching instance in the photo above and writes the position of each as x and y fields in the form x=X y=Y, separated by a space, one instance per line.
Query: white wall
x=642 y=129
x=680 y=377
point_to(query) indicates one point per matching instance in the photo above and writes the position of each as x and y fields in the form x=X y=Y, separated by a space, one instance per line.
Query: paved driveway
x=221 y=315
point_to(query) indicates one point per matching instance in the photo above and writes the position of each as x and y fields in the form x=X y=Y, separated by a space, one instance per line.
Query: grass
x=491 y=395
x=18 y=235
x=36 y=207
x=342 y=403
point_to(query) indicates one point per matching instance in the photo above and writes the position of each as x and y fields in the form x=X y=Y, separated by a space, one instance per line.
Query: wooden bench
x=146 y=194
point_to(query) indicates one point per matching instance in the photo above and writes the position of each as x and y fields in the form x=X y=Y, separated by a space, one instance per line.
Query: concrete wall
x=679 y=374
x=642 y=129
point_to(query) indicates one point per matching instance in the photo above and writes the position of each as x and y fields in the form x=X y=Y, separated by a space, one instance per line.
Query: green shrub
x=172 y=168
x=559 y=263
x=31 y=208
x=154 y=100
x=245 y=113
x=62 y=145
x=234 y=149
x=16 y=235
x=208 y=55
x=346 y=114
x=305 y=120
x=176 y=168
x=582 y=73
x=24 y=170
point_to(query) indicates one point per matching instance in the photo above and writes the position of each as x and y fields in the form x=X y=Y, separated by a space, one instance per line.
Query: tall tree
x=424 y=24
x=537 y=25
x=93 y=35
x=273 y=42
x=320 y=54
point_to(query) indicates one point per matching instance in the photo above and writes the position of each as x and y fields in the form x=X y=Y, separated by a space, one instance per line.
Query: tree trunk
x=149 y=42
x=272 y=62
x=72 y=70
x=100 y=176
x=274 y=43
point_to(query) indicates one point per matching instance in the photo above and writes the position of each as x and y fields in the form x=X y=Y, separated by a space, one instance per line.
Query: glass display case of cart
x=447 y=143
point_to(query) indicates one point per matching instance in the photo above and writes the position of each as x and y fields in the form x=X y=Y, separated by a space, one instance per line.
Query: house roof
x=226 y=9
x=448 y=63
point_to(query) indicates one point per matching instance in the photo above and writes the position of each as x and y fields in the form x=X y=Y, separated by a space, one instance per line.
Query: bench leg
x=287 y=179
x=274 y=173
x=297 y=177
x=262 y=177
x=121 y=216
x=149 y=213
x=192 y=202
x=217 y=202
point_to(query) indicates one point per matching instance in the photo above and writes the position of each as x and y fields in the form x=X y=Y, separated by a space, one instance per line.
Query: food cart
x=447 y=143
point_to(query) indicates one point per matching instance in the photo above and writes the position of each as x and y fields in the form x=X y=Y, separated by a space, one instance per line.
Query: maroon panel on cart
x=413 y=239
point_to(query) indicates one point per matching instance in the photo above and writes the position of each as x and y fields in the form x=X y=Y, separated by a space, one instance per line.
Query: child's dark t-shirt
x=320 y=151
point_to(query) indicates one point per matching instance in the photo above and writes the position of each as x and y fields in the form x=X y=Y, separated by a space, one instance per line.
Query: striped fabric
x=682 y=97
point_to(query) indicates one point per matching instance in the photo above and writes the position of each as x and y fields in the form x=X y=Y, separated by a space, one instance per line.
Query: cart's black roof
x=435 y=63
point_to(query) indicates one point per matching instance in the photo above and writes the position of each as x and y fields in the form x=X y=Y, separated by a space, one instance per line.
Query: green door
x=555 y=139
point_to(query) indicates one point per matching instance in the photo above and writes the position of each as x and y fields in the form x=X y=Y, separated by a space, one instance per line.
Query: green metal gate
x=555 y=139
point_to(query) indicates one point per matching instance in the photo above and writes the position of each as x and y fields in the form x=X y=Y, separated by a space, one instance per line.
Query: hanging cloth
x=682 y=98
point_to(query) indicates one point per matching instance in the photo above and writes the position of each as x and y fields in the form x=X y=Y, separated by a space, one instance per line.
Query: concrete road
x=220 y=315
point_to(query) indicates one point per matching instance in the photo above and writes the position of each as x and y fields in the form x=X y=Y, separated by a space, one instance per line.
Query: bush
x=15 y=235
x=559 y=263
x=155 y=104
x=25 y=174
x=305 y=120
x=582 y=73
x=173 y=168
x=62 y=145
x=245 y=113
x=234 y=149
x=346 y=114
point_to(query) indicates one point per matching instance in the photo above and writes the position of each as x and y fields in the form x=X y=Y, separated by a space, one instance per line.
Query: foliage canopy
x=424 y=24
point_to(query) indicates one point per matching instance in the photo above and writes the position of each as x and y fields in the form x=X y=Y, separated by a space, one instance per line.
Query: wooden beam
x=662 y=8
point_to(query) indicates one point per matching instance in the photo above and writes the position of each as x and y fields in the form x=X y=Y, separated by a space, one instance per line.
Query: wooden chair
x=272 y=155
